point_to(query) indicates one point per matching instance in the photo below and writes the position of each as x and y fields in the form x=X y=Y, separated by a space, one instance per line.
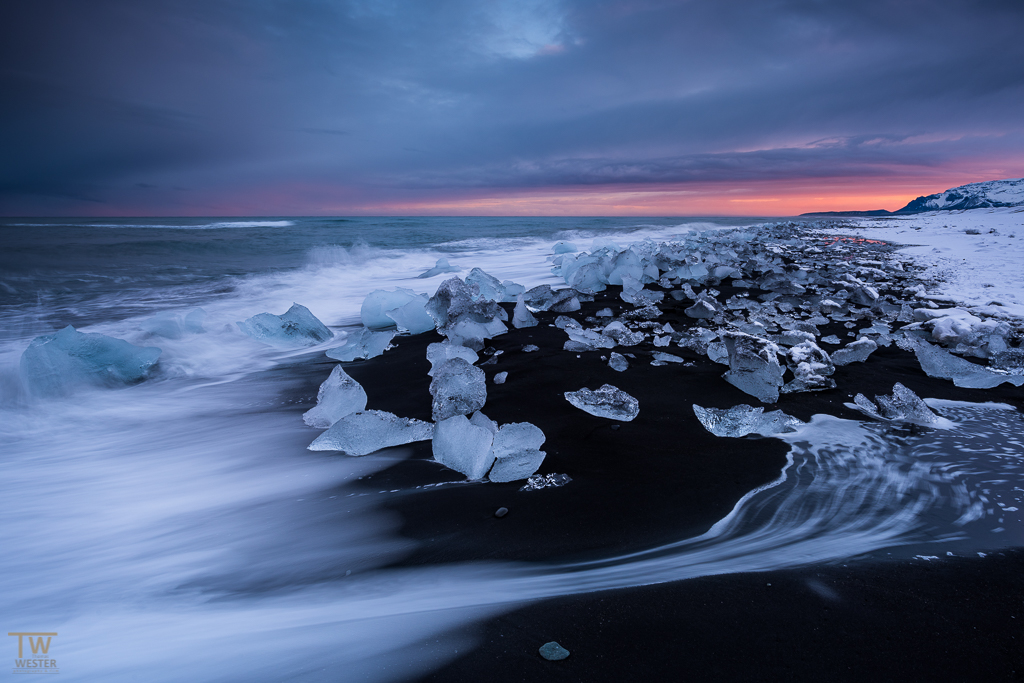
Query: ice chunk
x=539 y=298
x=481 y=420
x=296 y=327
x=589 y=277
x=543 y=481
x=903 y=406
x=743 y=419
x=371 y=430
x=565 y=301
x=563 y=248
x=362 y=345
x=854 y=352
x=412 y=317
x=704 y=307
x=461 y=317
x=488 y=286
x=666 y=357
x=604 y=313
x=442 y=266
x=471 y=334
x=618 y=362
x=608 y=401
x=718 y=352
x=166 y=325
x=530 y=348
x=516 y=451
x=438 y=353
x=58 y=364
x=377 y=303
x=194 y=321
x=463 y=446
x=625 y=264
x=521 y=316
x=591 y=338
x=458 y=388
x=864 y=295
x=339 y=395
x=812 y=368
x=500 y=377
x=753 y=366
x=937 y=362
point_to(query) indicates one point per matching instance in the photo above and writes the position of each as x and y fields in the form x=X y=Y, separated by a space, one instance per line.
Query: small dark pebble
x=500 y=512
x=553 y=652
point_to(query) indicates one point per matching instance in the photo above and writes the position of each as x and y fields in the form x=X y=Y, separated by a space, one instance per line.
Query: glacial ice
x=58 y=364
x=488 y=287
x=166 y=325
x=753 y=366
x=458 y=388
x=377 y=303
x=442 y=266
x=194 y=321
x=521 y=316
x=543 y=481
x=500 y=377
x=666 y=357
x=812 y=369
x=742 y=420
x=516 y=451
x=937 y=362
x=463 y=446
x=854 y=352
x=705 y=307
x=563 y=247
x=903 y=406
x=339 y=395
x=608 y=401
x=618 y=362
x=439 y=352
x=362 y=345
x=297 y=327
x=461 y=317
x=371 y=430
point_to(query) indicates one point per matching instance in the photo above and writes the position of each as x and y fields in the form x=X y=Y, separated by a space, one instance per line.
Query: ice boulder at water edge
x=295 y=328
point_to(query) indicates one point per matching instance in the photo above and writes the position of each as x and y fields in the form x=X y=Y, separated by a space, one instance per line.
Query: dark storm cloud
x=114 y=102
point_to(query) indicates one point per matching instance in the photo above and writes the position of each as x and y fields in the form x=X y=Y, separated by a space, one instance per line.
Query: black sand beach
x=662 y=478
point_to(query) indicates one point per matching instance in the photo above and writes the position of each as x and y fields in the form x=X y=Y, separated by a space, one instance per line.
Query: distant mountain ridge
x=988 y=194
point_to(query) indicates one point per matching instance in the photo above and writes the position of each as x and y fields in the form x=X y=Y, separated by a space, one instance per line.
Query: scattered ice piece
x=458 y=388
x=463 y=446
x=854 y=352
x=412 y=317
x=543 y=481
x=753 y=366
x=618 y=362
x=864 y=295
x=530 y=348
x=553 y=652
x=718 y=352
x=500 y=377
x=516 y=450
x=521 y=316
x=371 y=430
x=704 y=307
x=591 y=338
x=903 y=406
x=339 y=395
x=667 y=357
x=439 y=352
x=488 y=286
x=461 y=317
x=166 y=325
x=58 y=364
x=604 y=313
x=937 y=362
x=743 y=419
x=663 y=340
x=296 y=327
x=442 y=266
x=564 y=248
x=608 y=401
x=832 y=339
x=377 y=303
x=194 y=321
x=362 y=345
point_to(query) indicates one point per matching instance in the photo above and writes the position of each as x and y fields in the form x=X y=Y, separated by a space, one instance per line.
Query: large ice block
x=295 y=328
x=58 y=364
x=438 y=353
x=339 y=395
x=379 y=301
x=753 y=366
x=463 y=446
x=458 y=388
x=608 y=401
x=516 y=450
x=521 y=316
x=742 y=420
x=371 y=430
x=362 y=345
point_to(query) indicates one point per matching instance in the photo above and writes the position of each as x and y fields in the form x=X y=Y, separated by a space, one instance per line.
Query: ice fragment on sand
x=753 y=366
x=371 y=430
x=296 y=327
x=339 y=395
x=500 y=377
x=412 y=317
x=864 y=295
x=441 y=266
x=553 y=652
x=458 y=388
x=903 y=406
x=812 y=368
x=604 y=313
x=666 y=357
x=937 y=362
x=833 y=339
x=854 y=352
x=543 y=481
x=608 y=401
x=57 y=364
x=516 y=450
x=463 y=446
x=618 y=362
x=743 y=419
x=521 y=316
x=361 y=345
x=704 y=307
x=439 y=352
x=530 y=348
x=377 y=303
x=488 y=287
x=461 y=317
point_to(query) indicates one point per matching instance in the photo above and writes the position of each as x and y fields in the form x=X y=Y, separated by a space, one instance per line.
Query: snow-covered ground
x=975 y=257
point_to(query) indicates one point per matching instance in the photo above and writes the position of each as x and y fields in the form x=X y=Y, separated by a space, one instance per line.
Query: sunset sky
x=497 y=107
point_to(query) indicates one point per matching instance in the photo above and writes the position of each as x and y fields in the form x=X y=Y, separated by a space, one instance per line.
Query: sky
x=501 y=107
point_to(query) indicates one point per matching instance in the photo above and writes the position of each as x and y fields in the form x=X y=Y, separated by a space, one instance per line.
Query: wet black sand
x=662 y=478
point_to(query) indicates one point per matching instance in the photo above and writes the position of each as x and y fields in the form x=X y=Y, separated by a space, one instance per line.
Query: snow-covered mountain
x=991 y=193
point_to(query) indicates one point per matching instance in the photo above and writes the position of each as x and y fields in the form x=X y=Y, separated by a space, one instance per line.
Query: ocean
x=180 y=530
